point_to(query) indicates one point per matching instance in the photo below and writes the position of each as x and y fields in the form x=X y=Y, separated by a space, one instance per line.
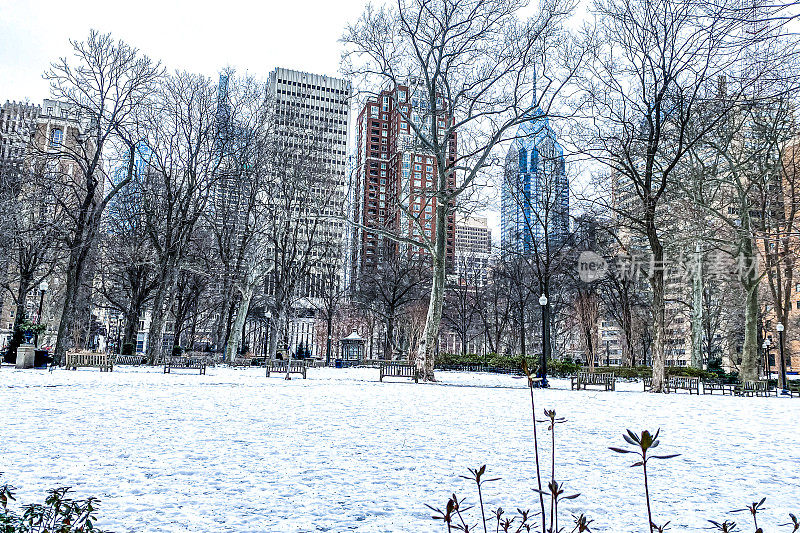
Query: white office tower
x=312 y=105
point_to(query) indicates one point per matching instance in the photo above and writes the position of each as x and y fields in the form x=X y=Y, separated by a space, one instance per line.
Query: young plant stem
x=538 y=469
x=647 y=497
x=483 y=514
x=553 y=521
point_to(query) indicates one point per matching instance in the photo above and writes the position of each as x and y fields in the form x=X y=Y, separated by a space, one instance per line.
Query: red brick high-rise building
x=395 y=174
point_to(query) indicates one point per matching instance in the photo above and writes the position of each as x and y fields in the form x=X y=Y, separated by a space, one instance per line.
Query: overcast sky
x=195 y=35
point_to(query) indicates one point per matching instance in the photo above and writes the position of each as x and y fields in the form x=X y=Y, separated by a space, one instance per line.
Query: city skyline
x=41 y=34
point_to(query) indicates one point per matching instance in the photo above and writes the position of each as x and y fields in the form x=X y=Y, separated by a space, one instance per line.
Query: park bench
x=676 y=383
x=794 y=388
x=399 y=370
x=242 y=361
x=712 y=385
x=605 y=380
x=129 y=360
x=176 y=362
x=103 y=361
x=279 y=366
x=753 y=388
x=690 y=384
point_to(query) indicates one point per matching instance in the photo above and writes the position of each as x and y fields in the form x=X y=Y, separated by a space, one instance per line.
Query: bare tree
x=737 y=168
x=303 y=196
x=494 y=309
x=31 y=234
x=388 y=290
x=460 y=313
x=331 y=293
x=103 y=86
x=471 y=68
x=654 y=64
x=779 y=198
x=240 y=214
x=182 y=167
x=126 y=259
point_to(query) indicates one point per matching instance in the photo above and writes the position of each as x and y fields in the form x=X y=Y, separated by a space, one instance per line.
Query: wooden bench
x=712 y=385
x=103 y=361
x=174 y=362
x=399 y=370
x=605 y=380
x=753 y=388
x=134 y=360
x=794 y=388
x=676 y=383
x=242 y=361
x=690 y=384
x=279 y=366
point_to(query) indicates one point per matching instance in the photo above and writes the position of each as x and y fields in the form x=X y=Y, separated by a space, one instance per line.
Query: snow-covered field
x=234 y=451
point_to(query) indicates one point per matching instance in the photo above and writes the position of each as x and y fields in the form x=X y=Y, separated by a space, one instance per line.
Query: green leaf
x=619 y=450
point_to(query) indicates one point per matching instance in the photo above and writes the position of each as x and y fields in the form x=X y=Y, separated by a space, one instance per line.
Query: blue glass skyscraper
x=535 y=190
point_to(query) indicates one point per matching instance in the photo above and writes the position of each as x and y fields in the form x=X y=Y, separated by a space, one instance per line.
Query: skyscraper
x=317 y=106
x=473 y=250
x=535 y=190
x=393 y=173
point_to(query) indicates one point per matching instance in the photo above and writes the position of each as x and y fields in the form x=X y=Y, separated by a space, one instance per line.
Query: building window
x=56 y=136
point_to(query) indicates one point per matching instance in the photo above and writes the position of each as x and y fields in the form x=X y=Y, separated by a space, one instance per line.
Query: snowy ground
x=234 y=451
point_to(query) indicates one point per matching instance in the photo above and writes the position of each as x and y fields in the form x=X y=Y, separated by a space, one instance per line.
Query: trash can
x=41 y=358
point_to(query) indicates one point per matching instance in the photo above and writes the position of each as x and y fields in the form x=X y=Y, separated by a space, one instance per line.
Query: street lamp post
x=43 y=286
x=545 y=337
x=780 y=328
x=766 y=359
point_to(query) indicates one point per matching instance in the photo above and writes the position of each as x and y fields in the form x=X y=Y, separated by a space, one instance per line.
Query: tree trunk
x=22 y=295
x=235 y=337
x=659 y=311
x=658 y=356
x=697 y=310
x=131 y=323
x=230 y=308
x=748 y=370
x=426 y=353
x=277 y=327
x=67 y=312
x=329 y=328
x=388 y=345
x=161 y=304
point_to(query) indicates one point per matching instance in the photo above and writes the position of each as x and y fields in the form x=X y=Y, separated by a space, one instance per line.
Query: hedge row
x=567 y=367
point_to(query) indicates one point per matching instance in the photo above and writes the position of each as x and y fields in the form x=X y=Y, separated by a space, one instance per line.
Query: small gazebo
x=352 y=350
